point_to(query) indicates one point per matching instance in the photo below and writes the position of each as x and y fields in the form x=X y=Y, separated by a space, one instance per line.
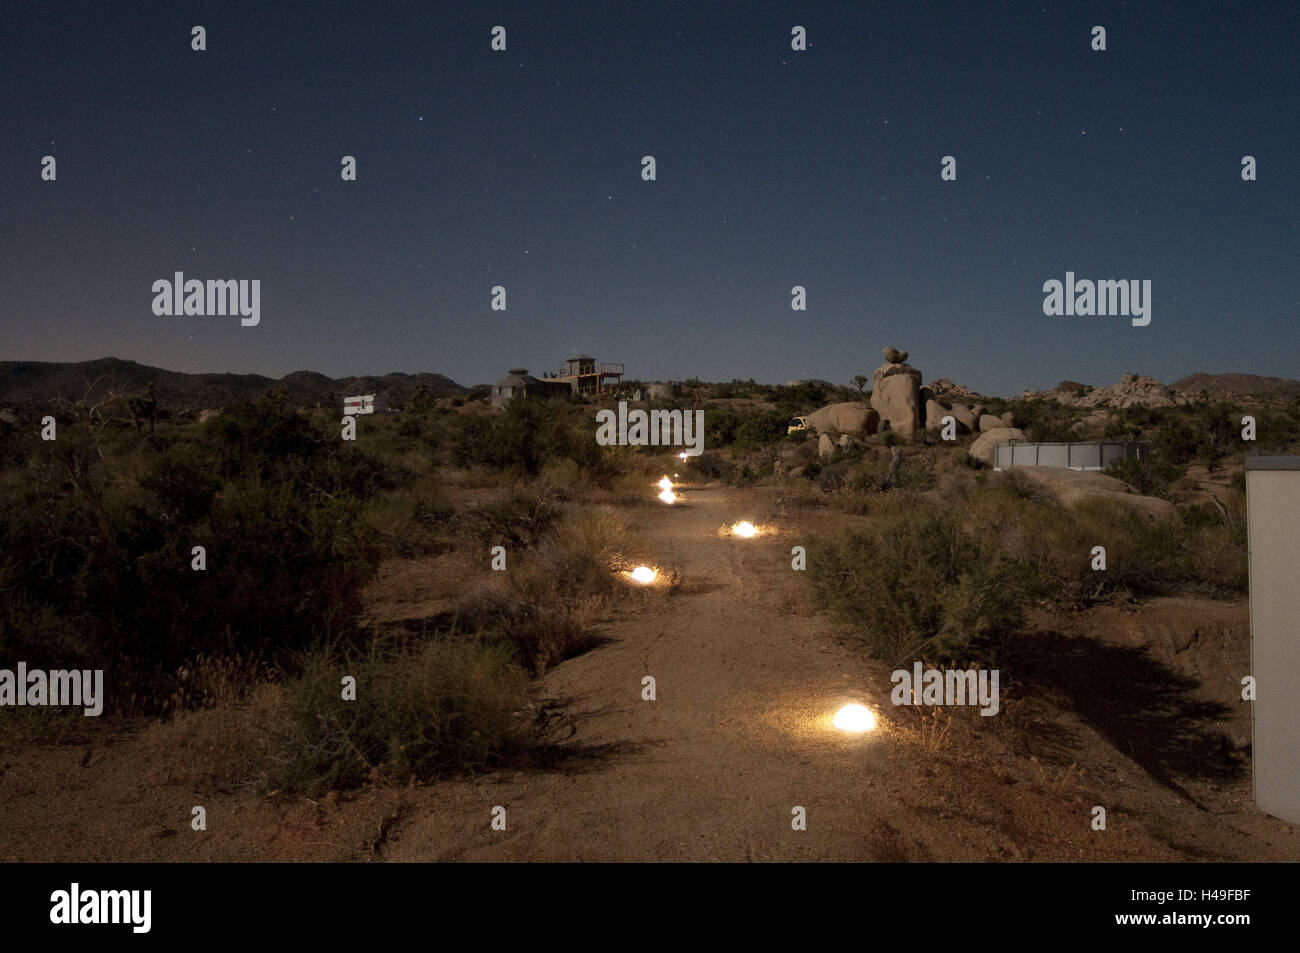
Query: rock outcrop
x=946 y=390
x=1073 y=486
x=982 y=448
x=896 y=393
x=966 y=417
x=934 y=414
x=851 y=417
x=1131 y=391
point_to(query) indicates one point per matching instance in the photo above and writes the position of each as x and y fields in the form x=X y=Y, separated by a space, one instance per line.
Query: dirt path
x=712 y=768
x=738 y=736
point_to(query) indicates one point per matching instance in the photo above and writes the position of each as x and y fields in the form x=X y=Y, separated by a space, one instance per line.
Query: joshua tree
x=860 y=382
x=144 y=407
x=421 y=400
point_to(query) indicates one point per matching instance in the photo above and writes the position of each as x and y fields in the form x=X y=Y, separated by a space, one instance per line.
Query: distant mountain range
x=35 y=382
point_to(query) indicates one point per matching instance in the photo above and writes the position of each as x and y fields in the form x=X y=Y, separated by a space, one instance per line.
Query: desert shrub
x=760 y=428
x=444 y=707
x=530 y=434
x=835 y=474
x=517 y=440
x=802 y=492
x=411 y=523
x=943 y=579
x=1204 y=432
x=917 y=471
x=1175 y=441
x=1277 y=430
x=545 y=607
x=561 y=472
x=260 y=438
x=801 y=398
x=1014 y=483
x=916 y=580
x=101 y=540
x=539 y=635
x=1144 y=556
x=282 y=572
x=520 y=520
x=1150 y=476
x=709 y=466
x=1047 y=420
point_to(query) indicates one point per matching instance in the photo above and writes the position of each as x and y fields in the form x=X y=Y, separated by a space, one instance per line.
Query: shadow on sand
x=1142 y=708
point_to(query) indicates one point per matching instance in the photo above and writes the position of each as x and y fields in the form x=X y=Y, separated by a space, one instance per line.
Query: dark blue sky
x=775 y=168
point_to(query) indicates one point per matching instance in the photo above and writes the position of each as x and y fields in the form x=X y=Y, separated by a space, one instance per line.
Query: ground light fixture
x=668 y=496
x=643 y=574
x=682 y=456
x=665 y=483
x=744 y=529
x=855 y=719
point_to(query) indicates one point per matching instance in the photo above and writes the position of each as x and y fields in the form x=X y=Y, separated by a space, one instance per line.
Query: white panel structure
x=1273 y=526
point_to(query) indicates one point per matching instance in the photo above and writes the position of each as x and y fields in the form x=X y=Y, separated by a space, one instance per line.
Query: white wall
x=1273 y=521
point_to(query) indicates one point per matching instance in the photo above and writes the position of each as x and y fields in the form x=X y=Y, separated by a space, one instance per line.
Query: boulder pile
x=1133 y=390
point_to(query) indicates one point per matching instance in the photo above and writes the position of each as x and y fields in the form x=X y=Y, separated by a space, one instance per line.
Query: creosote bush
x=938 y=578
x=99 y=537
x=447 y=707
x=917 y=579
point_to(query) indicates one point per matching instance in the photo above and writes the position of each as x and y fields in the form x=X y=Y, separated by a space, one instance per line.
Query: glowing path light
x=682 y=456
x=744 y=529
x=665 y=483
x=854 y=718
x=668 y=496
x=643 y=574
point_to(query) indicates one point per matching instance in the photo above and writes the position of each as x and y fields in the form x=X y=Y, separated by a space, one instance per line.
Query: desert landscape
x=510 y=682
x=444 y=442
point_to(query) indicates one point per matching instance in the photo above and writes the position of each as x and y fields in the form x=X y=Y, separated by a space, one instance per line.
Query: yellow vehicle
x=796 y=423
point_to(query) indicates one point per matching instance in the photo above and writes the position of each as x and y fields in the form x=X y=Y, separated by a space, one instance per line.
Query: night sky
x=775 y=168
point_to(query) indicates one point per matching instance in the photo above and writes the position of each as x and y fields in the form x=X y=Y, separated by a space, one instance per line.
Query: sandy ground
x=1133 y=709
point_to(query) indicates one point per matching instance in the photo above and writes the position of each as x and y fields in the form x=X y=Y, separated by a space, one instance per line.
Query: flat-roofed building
x=519 y=383
x=586 y=376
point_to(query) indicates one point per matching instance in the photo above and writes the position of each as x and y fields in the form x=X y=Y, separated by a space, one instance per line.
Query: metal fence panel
x=1077 y=456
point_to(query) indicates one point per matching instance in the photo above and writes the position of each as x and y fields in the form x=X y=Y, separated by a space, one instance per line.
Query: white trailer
x=362 y=404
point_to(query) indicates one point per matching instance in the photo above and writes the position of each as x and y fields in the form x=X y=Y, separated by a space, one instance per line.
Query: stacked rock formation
x=896 y=393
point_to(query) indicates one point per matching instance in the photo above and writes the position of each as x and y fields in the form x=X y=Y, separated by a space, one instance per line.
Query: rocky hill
x=1131 y=391
x=1237 y=385
x=36 y=382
